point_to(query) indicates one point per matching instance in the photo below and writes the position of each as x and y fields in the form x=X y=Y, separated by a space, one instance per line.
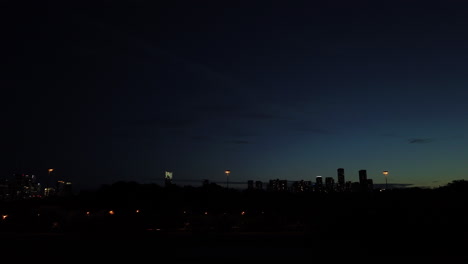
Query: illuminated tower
x=49 y=190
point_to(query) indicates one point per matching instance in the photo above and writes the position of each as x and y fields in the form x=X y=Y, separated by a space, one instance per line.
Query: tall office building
x=301 y=186
x=363 y=180
x=329 y=184
x=25 y=186
x=362 y=176
x=278 y=185
x=341 y=180
x=370 y=184
x=259 y=185
x=318 y=184
x=250 y=185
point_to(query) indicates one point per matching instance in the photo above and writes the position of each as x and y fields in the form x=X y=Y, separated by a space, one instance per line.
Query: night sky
x=114 y=91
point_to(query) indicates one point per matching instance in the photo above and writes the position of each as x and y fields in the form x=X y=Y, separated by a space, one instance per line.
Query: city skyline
x=213 y=223
x=339 y=181
x=126 y=91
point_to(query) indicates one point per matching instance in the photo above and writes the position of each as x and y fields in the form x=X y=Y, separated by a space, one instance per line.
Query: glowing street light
x=385 y=173
x=227 y=178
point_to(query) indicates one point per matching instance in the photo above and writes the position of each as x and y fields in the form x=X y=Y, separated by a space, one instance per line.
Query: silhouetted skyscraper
x=258 y=185
x=301 y=186
x=278 y=185
x=363 y=180
x=362 y=176
x=329 y=184
x=318 y=184
x=250 y=185
x=341 y=179
x=370 y=184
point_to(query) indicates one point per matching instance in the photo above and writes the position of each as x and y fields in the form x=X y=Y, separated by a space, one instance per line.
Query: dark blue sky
x=114 y=91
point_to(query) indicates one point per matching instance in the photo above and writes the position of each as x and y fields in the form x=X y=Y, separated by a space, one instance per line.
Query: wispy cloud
x=420 y=140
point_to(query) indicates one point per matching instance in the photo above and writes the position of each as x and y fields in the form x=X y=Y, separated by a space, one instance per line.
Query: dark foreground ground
x=228 y=227
x=240 y=247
